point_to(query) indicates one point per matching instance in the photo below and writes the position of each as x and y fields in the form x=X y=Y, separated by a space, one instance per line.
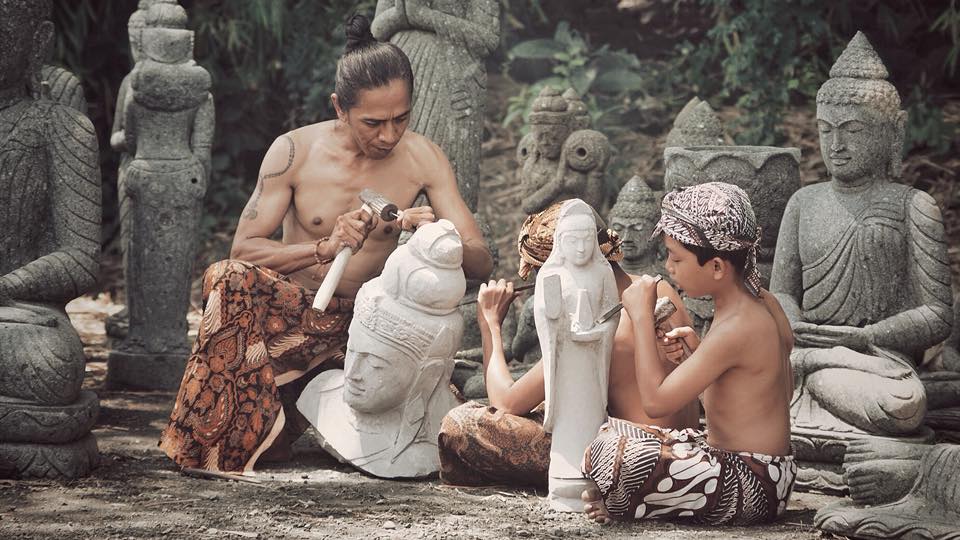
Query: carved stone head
x=555 y=116
x=859 y=118
x=25 y=37
x=165 y=35
x=575 y=236
x=633 y=217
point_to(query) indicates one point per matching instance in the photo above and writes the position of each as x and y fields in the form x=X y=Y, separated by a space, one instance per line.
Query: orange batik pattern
x=258 y=332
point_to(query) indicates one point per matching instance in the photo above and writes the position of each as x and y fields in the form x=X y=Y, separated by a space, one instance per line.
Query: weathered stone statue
x=382 y=412
x=447 y=42
x=633 y=217
x=931 y=509
x=696 y=125
x=168 y=127
x=861 y=271
x=117 y=324
x=49 y=254
x=574 y=287
x=561 y=158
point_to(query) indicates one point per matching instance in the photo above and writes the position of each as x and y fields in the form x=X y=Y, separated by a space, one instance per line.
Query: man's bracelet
x=316 y=252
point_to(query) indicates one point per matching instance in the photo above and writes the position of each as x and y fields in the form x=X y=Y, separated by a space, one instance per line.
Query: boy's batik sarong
x=649 y=472
x=258 y=331
x=482 y=446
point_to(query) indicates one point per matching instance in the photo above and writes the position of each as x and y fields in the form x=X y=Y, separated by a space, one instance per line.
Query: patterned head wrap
x=714 y=215
x=535 y=241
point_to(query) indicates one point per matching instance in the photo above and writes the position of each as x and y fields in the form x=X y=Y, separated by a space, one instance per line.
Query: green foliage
x=607 y=79
x=949 y=23
x=766 y=50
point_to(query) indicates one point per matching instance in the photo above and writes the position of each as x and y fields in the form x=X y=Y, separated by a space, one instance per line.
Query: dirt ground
x=137 y=492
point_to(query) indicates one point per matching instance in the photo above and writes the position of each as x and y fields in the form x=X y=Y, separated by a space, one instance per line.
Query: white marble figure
x=574 y=287
x=382 y=412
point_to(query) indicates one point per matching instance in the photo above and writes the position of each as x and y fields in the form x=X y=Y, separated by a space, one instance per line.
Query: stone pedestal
x=53 y=461
x=820 y=453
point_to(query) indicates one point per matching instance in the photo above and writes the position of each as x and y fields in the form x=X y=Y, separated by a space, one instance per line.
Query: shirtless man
x=740 y=470
x=259 y=331
x=506 y=442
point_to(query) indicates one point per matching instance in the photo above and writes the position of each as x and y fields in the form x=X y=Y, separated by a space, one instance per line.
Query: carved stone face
x=578 y=245
x=635 y=235
x=377 y=377
x=855 y=141
x=16 y=42
x=549 y=138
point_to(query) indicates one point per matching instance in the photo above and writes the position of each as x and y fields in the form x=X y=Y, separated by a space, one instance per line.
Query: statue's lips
x=353 y=389
x=840 y=160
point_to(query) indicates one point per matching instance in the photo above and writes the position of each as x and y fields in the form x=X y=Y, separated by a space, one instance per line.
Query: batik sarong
x=647 y=472
x=481 y=446
x=258 y=332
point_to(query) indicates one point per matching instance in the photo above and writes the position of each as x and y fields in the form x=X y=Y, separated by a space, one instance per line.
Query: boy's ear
x=718 y=268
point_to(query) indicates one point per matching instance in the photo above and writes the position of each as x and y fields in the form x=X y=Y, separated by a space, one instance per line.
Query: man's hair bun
x=358 y=33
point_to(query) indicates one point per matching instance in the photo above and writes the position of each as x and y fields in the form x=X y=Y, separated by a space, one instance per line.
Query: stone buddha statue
x=382 y=412
x=861 y=270
x=633 y=217
x=49 y=255
x=168 y=128
x=561 y=158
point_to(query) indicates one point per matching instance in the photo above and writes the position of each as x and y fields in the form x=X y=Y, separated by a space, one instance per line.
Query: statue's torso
x=24 y=181
x=850 y=246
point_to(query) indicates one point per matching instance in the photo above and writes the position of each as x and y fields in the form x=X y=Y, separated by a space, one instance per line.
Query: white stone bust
x=382 y=412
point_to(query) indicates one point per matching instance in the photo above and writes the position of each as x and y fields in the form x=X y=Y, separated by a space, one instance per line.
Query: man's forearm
x=277 y=256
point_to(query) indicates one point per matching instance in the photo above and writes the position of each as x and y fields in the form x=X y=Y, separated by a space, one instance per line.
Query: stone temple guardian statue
x=168 y=128
x=447 y=42
x=49 y=255
x=382 y=412
x=861 y=270
x=634 y=217
x=561 y=158
x=574 y=287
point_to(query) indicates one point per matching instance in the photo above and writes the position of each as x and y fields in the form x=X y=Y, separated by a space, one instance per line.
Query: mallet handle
x=332 y=279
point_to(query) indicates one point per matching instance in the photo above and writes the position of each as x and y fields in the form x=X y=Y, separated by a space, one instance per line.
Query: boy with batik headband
x=739 y=470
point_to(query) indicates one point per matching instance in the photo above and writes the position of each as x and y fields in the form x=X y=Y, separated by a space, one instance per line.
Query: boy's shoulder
x=744 y=333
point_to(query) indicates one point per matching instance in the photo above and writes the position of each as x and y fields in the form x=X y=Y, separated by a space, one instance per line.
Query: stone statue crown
x=166 y=14
x=380 y=314
x=634 y=200
x=858 y=77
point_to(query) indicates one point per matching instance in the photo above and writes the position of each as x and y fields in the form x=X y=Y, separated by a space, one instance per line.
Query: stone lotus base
x=52 y=461
x=32 y=423
x=930 y=511
x=145 y=371
x=819 y=454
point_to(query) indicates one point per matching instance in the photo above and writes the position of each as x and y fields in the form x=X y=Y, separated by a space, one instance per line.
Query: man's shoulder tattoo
x=251 y=211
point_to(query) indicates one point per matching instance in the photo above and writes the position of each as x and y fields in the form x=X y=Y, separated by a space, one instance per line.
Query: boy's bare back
x=747 y=407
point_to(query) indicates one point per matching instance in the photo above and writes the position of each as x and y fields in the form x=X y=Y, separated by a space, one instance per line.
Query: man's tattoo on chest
x=251 y=211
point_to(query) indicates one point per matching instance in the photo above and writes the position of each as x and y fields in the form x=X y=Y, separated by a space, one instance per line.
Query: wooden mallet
x=373 y=204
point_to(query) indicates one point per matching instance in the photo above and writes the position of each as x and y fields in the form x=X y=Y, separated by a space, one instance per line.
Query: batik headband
x=717 y=216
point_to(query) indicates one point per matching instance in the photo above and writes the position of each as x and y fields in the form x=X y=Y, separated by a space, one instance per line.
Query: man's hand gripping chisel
x=373 y=204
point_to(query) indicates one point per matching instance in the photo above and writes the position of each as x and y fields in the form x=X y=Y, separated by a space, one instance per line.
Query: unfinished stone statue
x=931 y=509
x=168 y=127
x=561 y=158
x=49 y=255
x=696 y=125
x=447 y=42
x=574 y=287
x=633 y=217
x=117 y=323
x=382 y=412
x=861 y=271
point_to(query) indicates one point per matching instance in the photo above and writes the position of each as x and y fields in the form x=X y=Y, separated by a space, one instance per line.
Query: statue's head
x=135 y=25
x=165 y=37
x=25 y=37
x=575 y=236
x=426 y=273
x=633 y=217
x=553 y=118
x=373 y=90
x=859 y=118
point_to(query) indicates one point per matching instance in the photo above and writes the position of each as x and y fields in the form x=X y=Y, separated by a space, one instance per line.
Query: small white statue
x=382 y=412
x=574 y=287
